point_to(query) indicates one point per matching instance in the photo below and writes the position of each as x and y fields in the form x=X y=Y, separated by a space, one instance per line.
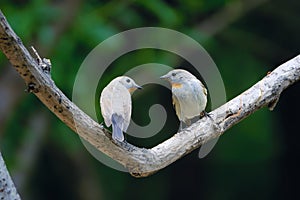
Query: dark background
x=256 y=159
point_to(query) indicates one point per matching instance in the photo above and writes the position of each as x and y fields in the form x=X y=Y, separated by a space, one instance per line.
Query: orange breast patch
x=131 y=90
x=177 y=85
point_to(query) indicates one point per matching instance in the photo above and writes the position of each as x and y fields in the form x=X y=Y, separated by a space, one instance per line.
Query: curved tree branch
x=142 y=162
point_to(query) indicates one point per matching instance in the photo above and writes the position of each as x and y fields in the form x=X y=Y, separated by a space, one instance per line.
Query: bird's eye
x=173 y=74
x=128 y=80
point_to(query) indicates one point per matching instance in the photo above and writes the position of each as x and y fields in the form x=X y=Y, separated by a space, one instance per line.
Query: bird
x=115 y=104
x=189 y=95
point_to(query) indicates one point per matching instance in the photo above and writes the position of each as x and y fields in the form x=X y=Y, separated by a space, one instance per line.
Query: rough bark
x=7 y=187
x=142 y=162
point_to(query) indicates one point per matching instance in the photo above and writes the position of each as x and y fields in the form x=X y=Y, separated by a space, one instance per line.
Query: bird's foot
x=206 y=114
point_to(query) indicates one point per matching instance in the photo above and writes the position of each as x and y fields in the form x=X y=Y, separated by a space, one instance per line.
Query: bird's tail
x=117 y=131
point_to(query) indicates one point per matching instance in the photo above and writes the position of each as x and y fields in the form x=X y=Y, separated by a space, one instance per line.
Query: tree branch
x=7 y=187
x=142 y=162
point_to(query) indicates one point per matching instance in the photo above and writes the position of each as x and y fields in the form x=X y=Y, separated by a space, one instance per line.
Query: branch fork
x=142 y=162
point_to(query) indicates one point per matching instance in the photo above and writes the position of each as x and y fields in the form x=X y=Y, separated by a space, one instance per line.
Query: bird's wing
x=121 y=105
x=200 y=93
x=204 y=89
x=106 y=104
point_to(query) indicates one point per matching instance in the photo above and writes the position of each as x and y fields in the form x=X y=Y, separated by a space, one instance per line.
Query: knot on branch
x=32 y=87
x=44 y=64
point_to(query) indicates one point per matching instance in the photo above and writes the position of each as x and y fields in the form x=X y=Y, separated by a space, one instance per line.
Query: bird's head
x=177 y=77
x=129 y=84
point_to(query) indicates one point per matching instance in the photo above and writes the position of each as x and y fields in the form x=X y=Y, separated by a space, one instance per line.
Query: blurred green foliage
x=245 y=162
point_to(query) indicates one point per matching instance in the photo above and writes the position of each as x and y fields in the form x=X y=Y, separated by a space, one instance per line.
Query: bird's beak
x=138 y=87
x=134 y=87
x=164 y=77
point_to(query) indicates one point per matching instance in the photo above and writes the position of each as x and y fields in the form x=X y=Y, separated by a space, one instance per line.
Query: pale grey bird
x=115 y=103
x=188 y=93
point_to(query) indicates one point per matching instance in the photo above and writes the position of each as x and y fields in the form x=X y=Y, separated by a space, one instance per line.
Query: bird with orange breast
x=189 y=95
